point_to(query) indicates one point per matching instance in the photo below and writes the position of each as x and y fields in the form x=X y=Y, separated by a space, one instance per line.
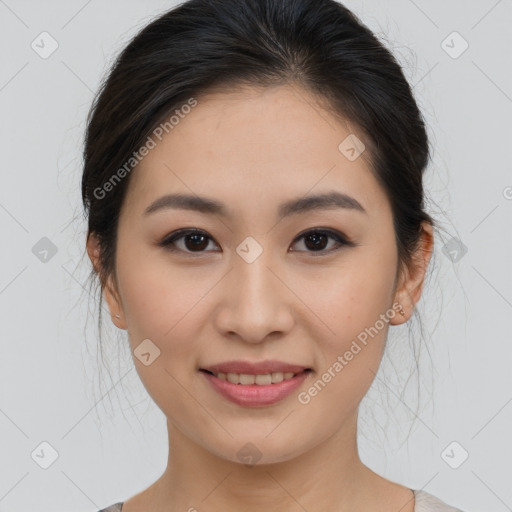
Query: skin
x=253 y=149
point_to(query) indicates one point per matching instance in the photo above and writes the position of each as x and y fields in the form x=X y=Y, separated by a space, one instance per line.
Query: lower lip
x=252 y=395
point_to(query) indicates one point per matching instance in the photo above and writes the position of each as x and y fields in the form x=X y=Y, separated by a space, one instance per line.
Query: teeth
x=259 y=380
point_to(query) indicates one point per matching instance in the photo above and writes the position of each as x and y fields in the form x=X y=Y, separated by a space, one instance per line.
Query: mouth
x=255 y=389
x=261 y=379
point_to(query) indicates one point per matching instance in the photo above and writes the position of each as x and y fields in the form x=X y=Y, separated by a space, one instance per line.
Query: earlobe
x=409 y=292
x=403 y=307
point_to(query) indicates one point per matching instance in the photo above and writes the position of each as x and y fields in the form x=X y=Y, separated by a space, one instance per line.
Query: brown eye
x=193 y=241
x=197 y=241
x=317 y=240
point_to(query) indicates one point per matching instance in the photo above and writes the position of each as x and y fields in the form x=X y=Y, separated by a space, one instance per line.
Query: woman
x=253 y=183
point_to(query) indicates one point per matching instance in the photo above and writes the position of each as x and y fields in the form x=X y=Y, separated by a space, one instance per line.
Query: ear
x=109 y=288
x=410 y=287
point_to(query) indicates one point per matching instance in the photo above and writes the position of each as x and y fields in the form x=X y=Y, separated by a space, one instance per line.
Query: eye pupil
x=318 y=239
x=195 y=245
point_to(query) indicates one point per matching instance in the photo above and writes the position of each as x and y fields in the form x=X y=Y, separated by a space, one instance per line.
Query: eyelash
x=169 y=241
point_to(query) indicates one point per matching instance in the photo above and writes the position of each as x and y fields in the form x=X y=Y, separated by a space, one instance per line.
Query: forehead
x=259 y=143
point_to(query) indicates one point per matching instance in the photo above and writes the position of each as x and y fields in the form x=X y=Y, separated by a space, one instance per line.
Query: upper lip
x=254 y=368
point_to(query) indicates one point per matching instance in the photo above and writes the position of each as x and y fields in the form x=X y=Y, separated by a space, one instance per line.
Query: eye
x=196 y=241
x=317 y=239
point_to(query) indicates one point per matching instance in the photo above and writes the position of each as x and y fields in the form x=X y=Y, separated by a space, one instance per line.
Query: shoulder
x=425 y=502
x=113 y=508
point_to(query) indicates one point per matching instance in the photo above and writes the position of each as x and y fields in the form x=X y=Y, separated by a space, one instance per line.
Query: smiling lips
x=255 y=384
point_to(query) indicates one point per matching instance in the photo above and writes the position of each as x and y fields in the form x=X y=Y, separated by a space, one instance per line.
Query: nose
x=254 y=302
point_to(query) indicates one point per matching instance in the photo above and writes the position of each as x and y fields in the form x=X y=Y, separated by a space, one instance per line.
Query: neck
x=330 y=476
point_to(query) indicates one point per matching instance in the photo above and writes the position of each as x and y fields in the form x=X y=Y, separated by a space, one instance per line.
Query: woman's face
x=264 y=282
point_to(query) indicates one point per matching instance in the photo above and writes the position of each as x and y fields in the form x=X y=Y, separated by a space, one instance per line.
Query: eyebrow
x=305 y=204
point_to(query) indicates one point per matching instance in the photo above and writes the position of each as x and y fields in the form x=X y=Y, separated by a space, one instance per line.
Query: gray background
x=108 y=437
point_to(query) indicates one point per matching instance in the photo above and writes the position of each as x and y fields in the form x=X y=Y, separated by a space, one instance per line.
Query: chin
x=258 y=452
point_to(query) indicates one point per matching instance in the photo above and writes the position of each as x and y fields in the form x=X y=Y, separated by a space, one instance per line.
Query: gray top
x=425 y=502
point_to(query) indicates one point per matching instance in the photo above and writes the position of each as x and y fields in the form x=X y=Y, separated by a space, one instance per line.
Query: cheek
x=161 y=305
x=354 y=295
x=156 y=292
x=161 y=302
x=353 y=303
x=355 y=306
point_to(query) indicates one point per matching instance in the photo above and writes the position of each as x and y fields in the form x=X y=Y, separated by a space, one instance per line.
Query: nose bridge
x=256 y=302
x=254 y=279
x=251 y=270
